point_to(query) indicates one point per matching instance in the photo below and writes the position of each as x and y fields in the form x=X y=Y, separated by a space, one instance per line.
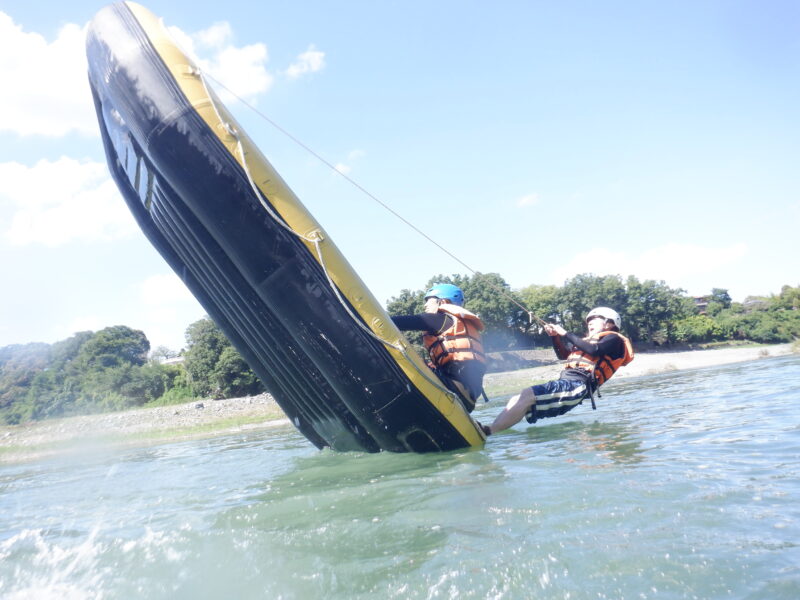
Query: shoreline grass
x=124 y=439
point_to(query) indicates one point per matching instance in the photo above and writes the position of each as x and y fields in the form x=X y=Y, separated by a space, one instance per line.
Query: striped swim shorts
x=556 y=397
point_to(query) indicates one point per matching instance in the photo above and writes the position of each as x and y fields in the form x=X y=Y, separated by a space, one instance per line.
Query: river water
x=682 y=485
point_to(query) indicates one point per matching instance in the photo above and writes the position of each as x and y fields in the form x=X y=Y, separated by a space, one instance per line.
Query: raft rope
x=531 y=316
x=315 y=237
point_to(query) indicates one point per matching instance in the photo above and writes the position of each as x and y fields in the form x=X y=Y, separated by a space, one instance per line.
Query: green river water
x=682 y=485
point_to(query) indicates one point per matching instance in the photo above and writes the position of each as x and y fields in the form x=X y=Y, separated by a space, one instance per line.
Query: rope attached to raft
x=315 y=237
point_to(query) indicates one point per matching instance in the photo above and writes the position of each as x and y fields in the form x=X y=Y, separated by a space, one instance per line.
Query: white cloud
x=53 y=203
x=352 y=156
x=528 y=200
x=241 y=69
x=672 y=263
x=355 y=154
x=45 y=89
x=215 y=36
x=310 y=61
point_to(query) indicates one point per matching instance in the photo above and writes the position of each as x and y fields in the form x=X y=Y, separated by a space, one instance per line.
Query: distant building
x=701 y=302
x=752 y=303
x=176 y=360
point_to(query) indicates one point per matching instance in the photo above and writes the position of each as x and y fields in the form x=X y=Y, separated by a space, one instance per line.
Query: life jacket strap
x=592 y=386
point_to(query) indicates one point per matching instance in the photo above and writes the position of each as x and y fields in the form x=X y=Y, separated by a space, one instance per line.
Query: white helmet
x=607 y=313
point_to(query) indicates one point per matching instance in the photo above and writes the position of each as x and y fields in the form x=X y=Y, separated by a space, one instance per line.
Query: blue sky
x=538 y=140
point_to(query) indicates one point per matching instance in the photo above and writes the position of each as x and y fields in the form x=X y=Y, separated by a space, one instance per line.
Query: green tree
x=788 y=299
x=50 y=395
x=205 y=343
x=584 y=292
x=652 y=308
x=719 y=300
x=721 y=296
x=19 y=364
x=232 y=376
x=407 y=303
x=766 y=320
x=490 y=297
x=55 y=390
x=65 y=351
x=542 y=301
x=162 y=353
x=214 y=367
x=114 y=346
x=487 y=295
x=696 y=329
x=86 y=373
x=124 y=386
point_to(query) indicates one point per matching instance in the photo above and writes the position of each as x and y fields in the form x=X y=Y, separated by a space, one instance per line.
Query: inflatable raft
x=257 y=261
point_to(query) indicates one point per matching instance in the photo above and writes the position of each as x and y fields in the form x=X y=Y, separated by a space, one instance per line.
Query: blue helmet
x=446 y=291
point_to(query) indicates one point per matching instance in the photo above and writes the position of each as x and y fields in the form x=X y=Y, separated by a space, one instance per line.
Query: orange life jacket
x=462 y=341
x=601 y=367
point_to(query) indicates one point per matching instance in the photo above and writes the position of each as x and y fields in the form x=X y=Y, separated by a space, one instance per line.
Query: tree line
x=115 y=368
x=652 y=312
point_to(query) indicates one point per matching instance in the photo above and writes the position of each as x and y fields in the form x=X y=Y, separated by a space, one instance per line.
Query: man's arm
x=559 y=348
x=609 y=345
x=429 y=323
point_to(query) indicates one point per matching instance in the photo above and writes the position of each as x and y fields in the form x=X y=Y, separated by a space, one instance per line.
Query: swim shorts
x=556 y=397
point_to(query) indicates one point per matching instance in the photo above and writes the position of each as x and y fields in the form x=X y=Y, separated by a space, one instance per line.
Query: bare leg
x=514 y=410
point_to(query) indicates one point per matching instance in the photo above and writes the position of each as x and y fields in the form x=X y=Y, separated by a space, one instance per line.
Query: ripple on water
x=681 y=485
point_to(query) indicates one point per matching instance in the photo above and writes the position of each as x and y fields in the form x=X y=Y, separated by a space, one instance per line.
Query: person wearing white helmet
x=452 y=336
x=591 y=361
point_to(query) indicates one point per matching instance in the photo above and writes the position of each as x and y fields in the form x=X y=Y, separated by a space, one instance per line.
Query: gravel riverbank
x=139 y=426
x=214 y=417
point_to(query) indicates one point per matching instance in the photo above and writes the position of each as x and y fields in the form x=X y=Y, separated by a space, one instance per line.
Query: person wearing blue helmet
x=452 y=336
x=446 y=291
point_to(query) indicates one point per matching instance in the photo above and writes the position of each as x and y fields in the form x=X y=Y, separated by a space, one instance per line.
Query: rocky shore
x=139 y=426
x=214 y=417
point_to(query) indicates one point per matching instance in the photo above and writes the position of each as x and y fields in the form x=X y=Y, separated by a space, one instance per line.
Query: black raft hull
x=244 y=245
